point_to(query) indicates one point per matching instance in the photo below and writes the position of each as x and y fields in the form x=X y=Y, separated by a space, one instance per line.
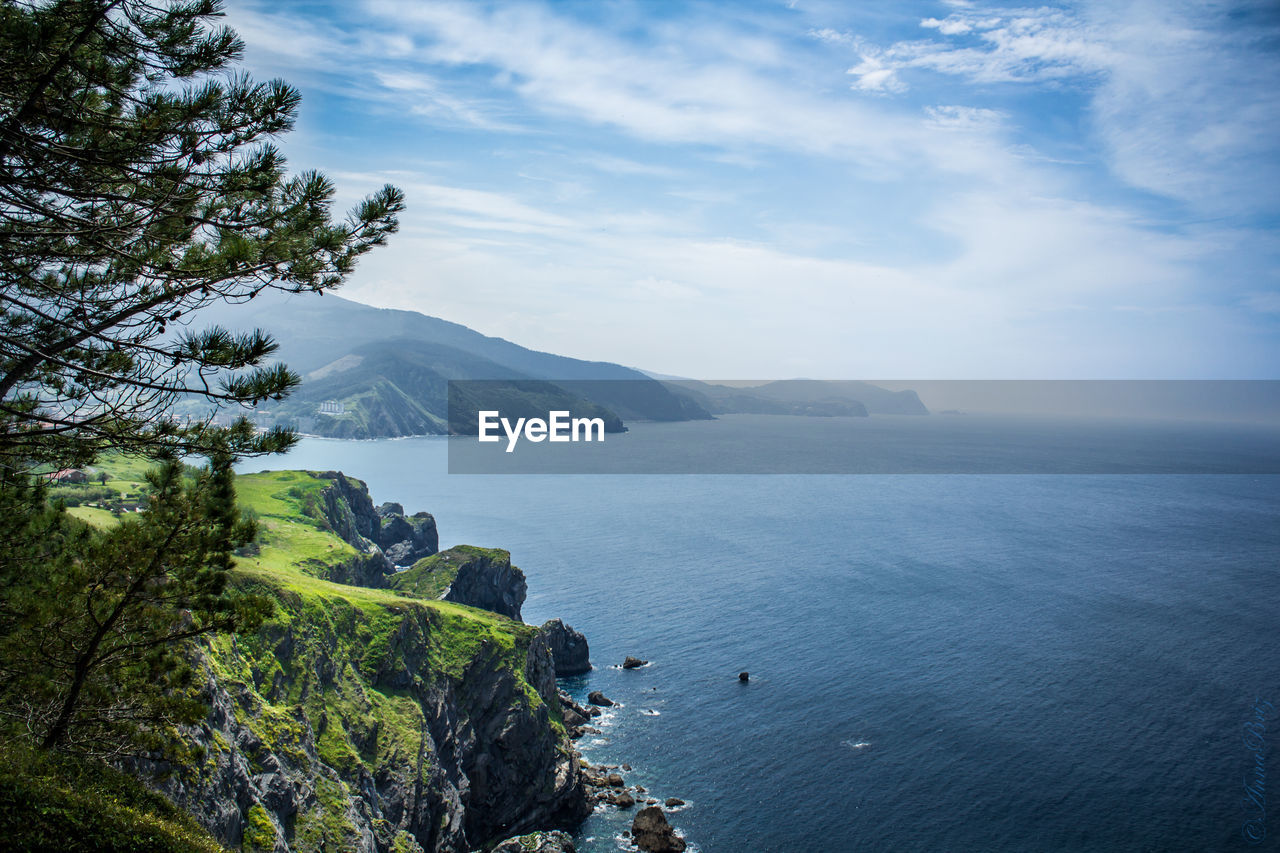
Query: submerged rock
x=569 y=648
x=744 y=676
x=653 y=834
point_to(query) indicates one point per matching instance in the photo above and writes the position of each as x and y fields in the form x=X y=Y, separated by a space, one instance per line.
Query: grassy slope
x=125 y=477
x=430 y=577
x=360 y=636
x=363 y=715
x=57 y=803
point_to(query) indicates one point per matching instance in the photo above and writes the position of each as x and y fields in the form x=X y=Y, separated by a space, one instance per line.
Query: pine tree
x=92 y=646
x=138 y=184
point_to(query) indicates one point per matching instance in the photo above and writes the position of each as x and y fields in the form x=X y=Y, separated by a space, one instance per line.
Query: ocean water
x=938 y=662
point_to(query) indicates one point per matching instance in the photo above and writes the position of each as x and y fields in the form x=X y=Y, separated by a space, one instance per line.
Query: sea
x=938 y=662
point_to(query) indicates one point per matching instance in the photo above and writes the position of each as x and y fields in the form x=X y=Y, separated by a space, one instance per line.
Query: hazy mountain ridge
x=379 y=373
x=811 y=397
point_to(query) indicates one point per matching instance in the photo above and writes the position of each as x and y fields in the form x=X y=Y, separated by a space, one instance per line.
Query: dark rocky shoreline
x=605 y=784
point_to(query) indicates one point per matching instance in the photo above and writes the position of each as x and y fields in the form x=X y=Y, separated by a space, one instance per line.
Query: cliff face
x=385 y=537
x=465 y=574
x=369 y=719
x=569 y=650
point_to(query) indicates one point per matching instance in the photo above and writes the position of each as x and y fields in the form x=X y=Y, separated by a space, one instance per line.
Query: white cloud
x=955 y=117
x=830 y=36
x=1191 y=110
x=690 y=89
x=625 y=166
x=1027 y=293
x=873 y=75
x=948 y=27
x=363 y=63
x=1026 y=45
x=1185 y=102
x=1014 y=261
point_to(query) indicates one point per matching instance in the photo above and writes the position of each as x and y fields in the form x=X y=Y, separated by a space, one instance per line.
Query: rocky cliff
x=366 y=719
x=385 y=534
x=569 y=650
x=465 y=574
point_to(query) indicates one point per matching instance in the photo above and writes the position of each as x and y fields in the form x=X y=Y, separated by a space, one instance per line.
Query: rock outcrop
x=555 y=841
x=465 y=574
x=367 y=719
x=569 y=648
x=486 y=579
x=651 y=832
x=384 y=537
x=406 y=539
x=345 y=726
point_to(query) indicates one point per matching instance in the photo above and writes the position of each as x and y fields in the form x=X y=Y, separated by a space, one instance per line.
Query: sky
x=764 y=190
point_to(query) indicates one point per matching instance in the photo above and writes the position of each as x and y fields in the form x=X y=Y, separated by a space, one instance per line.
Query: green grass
x=350 y=663
x=125 y=486
x=349 y=658
x=292 y=536
x=259 y=832
x=56 y=803
x=430 y=577
x=98 y=517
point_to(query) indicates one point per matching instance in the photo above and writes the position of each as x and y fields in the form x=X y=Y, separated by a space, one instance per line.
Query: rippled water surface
x=950 y=662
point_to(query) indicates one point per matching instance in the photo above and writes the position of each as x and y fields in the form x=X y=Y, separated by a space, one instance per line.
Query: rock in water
x=672 y=802
x=653 y=834
x=744 y=676
x=555 y=841
x=595 y=697
x=568 y=648
x=633 y=663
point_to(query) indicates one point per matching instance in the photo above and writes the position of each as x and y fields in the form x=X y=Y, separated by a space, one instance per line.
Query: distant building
x=332 y=407
x=69 y=475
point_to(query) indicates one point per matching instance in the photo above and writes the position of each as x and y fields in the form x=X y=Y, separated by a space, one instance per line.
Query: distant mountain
x=400 y=387
x=375 y=372
x=814 y=397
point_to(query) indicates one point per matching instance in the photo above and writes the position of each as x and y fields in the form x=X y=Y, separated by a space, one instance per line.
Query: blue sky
x=843 y=190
